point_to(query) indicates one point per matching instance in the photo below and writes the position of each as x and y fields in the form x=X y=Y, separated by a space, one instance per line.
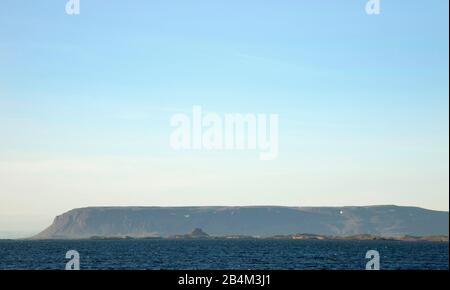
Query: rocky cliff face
x=255 y=221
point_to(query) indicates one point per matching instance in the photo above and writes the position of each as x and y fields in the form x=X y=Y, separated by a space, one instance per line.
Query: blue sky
x=85 y=102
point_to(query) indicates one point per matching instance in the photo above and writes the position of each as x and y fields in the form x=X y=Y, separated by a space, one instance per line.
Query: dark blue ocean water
x=222 y=254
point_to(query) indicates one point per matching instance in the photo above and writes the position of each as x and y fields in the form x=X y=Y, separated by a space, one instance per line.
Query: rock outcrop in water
x=195 y=234
x=261 y=221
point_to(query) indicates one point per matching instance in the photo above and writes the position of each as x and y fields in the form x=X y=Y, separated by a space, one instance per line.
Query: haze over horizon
x=85 y=104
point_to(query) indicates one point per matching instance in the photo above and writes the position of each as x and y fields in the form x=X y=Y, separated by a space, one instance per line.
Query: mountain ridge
x=260 y=221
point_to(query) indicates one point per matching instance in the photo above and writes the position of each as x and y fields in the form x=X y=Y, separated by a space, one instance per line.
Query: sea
x=222 y=254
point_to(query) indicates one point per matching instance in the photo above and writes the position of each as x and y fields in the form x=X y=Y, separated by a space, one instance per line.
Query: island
x=269 y=222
